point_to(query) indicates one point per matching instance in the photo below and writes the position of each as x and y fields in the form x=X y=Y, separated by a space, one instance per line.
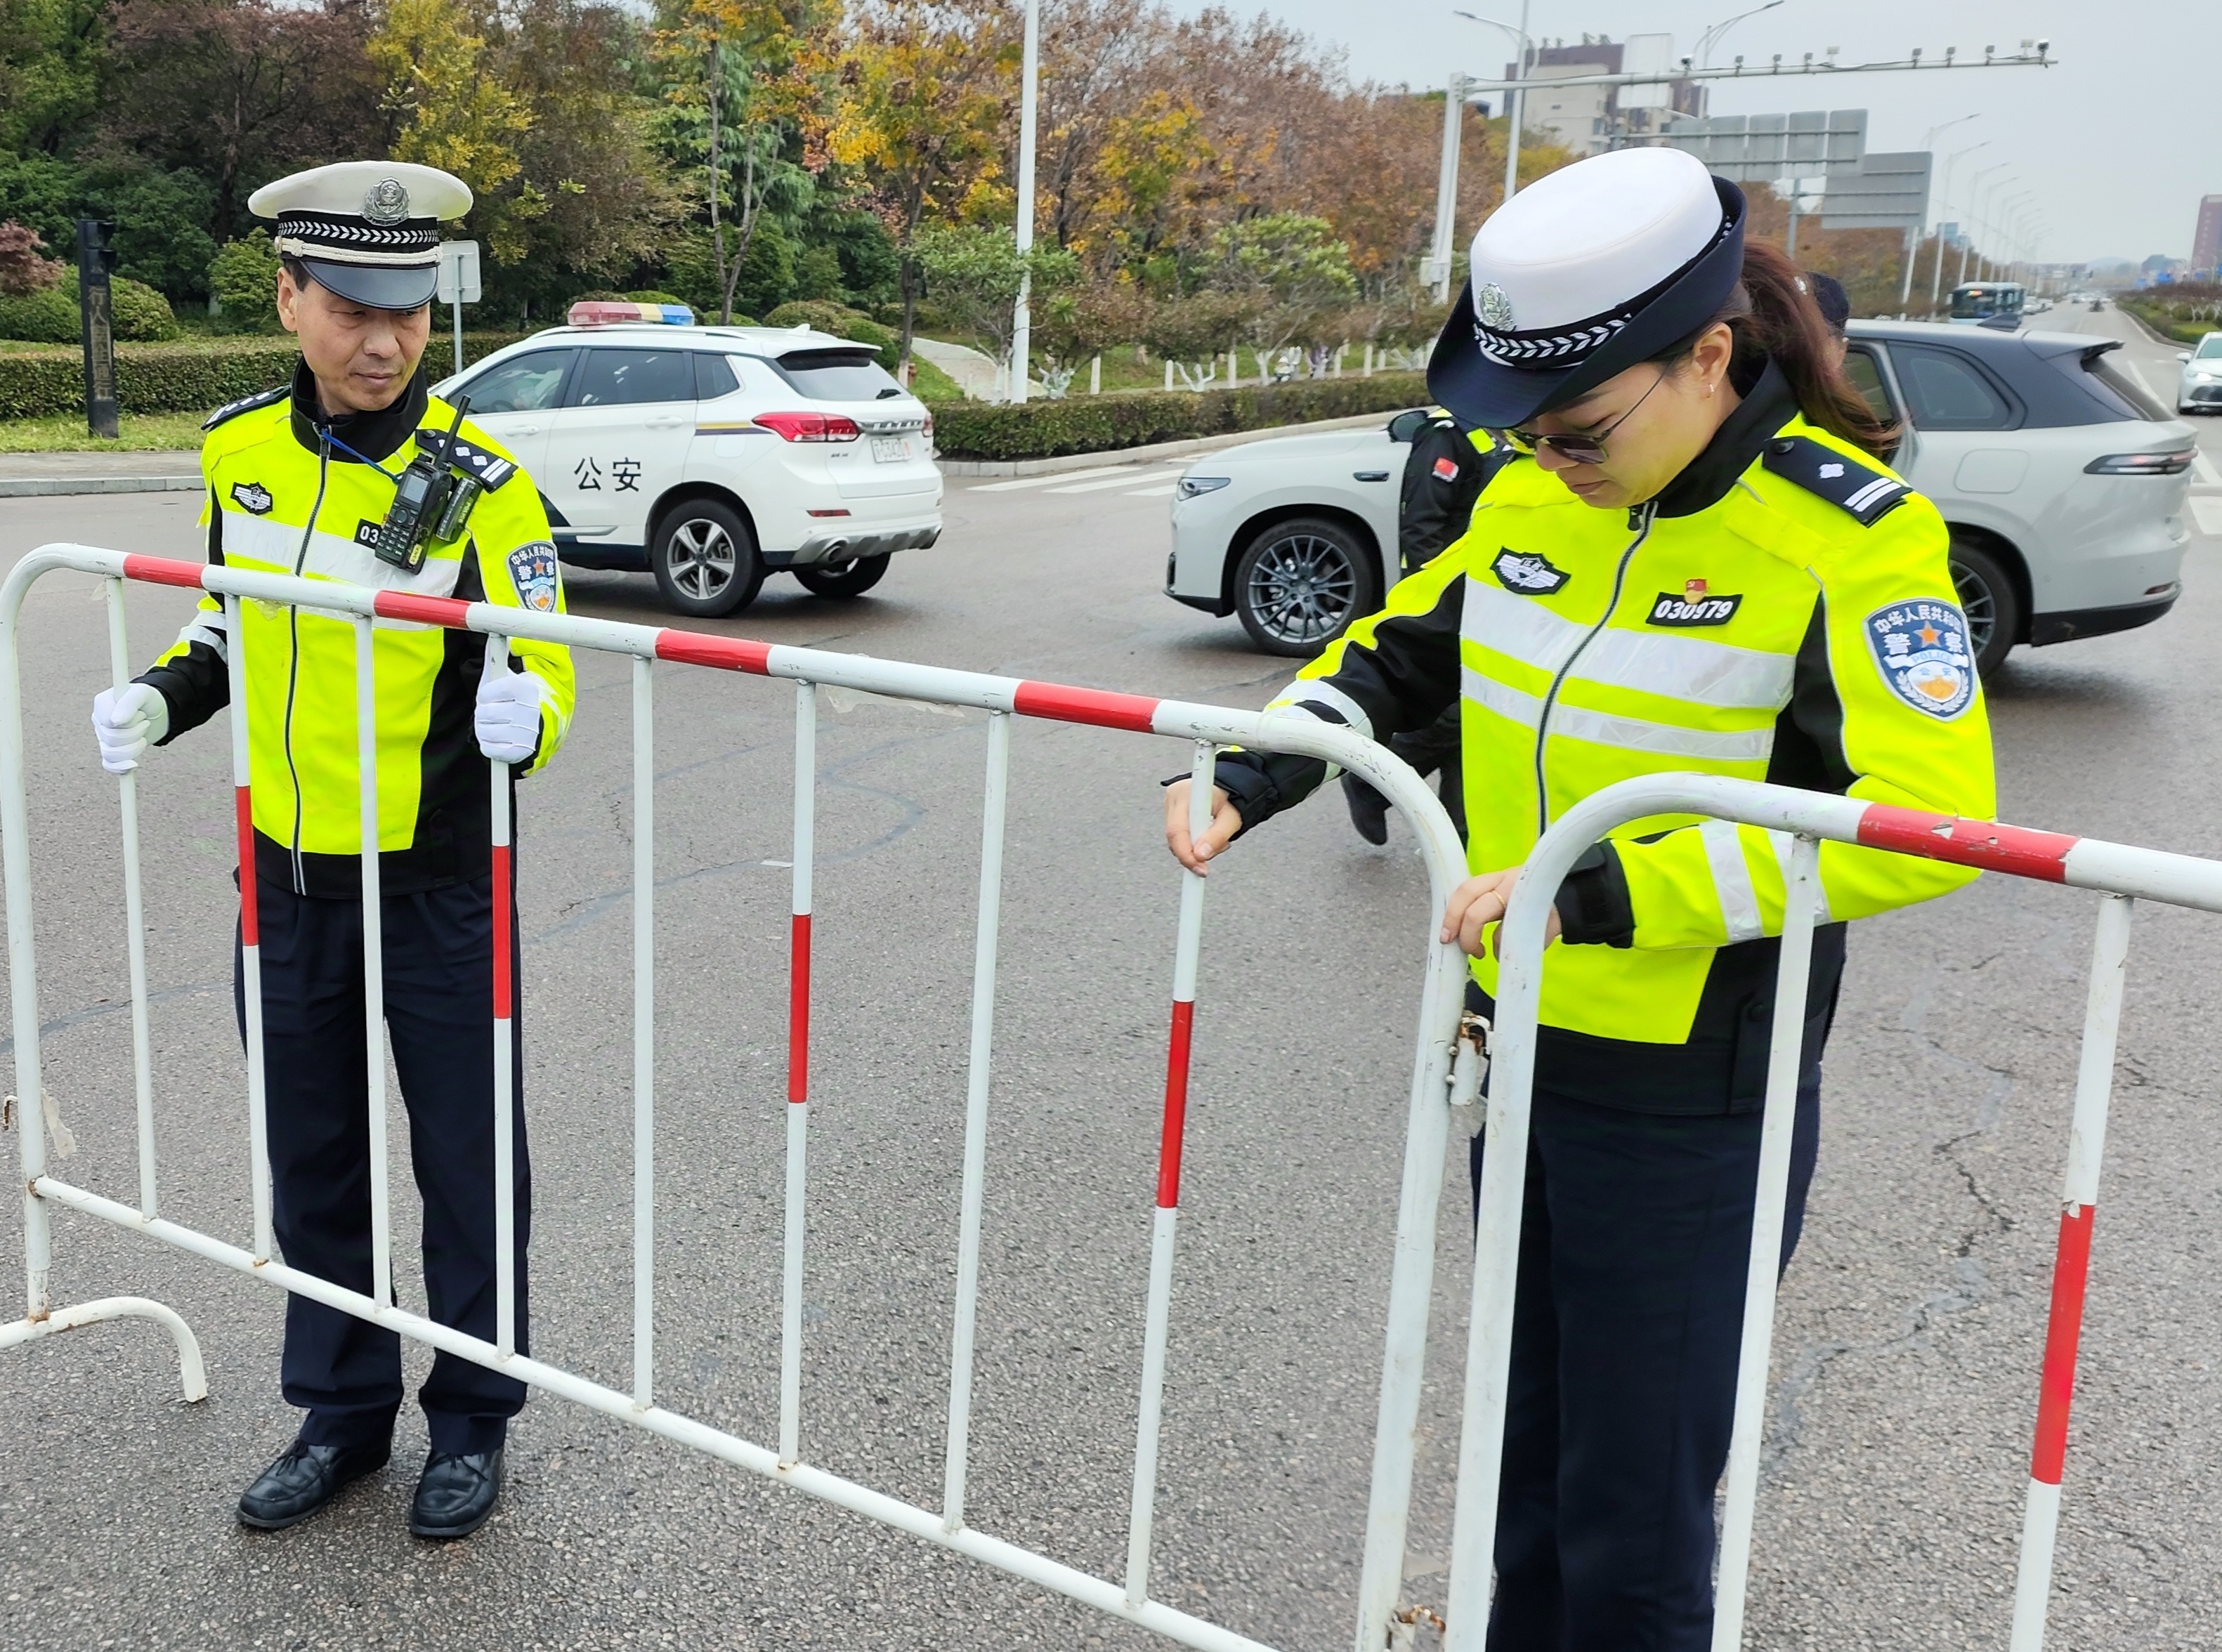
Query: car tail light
x=929 y=430
x=2175 y=462
x=810 y=427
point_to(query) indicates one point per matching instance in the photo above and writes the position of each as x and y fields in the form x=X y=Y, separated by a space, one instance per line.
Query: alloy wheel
x=702 y=558
x=1979 y=603
x=1302 y=588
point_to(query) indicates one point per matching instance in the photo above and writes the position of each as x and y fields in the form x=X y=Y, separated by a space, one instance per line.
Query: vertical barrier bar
x=798 y=1074
x=504 y=1038
x=1785 y=1056
x=373 y=957
x=2086 y=1142
x=250 y=928
x=1157 y=1322
x=975 y=1116
x=23 y=970
x=643 y=1036
x=134 y=919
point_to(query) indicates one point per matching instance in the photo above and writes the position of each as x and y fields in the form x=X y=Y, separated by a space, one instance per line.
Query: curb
x=23 y=487
x=1154 y=450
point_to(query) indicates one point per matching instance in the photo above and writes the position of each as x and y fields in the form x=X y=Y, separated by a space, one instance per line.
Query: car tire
x=704 y=560
x=1300 y=583
x=850 y=578
x=1991 y=601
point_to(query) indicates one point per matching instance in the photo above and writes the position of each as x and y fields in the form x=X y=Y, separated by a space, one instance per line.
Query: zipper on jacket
x=1639 y=517
x=293 y=655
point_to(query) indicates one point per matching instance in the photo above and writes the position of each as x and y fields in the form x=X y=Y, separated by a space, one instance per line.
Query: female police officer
x=1698 y=565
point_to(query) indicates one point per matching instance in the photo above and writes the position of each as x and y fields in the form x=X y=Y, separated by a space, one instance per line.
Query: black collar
x=376 y=436
x=1706 y=480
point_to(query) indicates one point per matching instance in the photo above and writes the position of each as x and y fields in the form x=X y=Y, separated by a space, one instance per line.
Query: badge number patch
x=1921 y=649
x=1693 y=608
x=252 y=497
x=1527 y=573
x=533 y=567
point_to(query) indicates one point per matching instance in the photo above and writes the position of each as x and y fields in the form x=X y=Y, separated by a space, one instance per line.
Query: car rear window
x=528 y=384
x=625 y=377
x=838 y=375
x=2116 y=387
x=1946 y=391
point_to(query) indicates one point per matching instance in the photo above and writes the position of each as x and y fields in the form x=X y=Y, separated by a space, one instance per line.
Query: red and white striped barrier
x=2122 y=874
x=1207 y=728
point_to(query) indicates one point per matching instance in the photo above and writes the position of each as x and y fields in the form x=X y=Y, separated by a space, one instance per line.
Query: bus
x=1997 y=302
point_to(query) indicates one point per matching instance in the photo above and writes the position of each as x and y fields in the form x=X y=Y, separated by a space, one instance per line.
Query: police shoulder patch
x=1920 y=647
x=1529 y=574
x=252 y=497
x=490 y=469
x=246 y=404
x=1865 y=493
x=532 y=569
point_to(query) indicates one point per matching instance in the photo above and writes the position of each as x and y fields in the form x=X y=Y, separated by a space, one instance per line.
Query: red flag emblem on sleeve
x=1447 y=470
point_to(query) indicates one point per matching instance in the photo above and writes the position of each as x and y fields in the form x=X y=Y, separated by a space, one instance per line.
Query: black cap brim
x=382 y=286
x=1496 y=396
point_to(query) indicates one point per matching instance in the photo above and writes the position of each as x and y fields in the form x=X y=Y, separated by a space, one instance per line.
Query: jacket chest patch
x=252 y=497
x=1527 y=573
x=1693 y=607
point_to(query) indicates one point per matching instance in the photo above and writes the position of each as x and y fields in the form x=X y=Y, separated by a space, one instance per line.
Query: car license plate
x=890 y=450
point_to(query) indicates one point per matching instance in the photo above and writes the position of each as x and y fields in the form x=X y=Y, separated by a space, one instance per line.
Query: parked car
x=713 y=456
x=2199 y=389
x=2062 y=481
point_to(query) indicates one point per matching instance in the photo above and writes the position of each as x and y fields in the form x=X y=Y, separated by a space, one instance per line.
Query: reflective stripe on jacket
x=1783 y=613
x=283 y=498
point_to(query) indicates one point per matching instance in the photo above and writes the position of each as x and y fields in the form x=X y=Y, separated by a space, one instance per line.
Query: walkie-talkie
x=421 y=495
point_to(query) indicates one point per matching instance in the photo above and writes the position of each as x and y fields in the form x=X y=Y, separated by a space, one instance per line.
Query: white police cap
x=1583 y=274
x=367 y=230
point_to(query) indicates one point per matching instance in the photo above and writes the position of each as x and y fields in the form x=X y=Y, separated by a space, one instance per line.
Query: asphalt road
x=1912 y=1320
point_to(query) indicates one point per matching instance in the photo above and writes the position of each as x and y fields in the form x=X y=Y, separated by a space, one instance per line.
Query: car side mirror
x=2183 y=355
x=1407 y=425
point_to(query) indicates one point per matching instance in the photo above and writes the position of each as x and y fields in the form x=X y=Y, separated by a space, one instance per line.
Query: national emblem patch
x=1921 y=649
x=1527 y=573
x=533 y=568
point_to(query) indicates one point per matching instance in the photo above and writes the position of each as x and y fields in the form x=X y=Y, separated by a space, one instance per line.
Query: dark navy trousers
x=1634 y=1239
x=345 y=1371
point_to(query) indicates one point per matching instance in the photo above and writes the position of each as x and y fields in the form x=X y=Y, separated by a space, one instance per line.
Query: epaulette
x=246 y=404
x=1866 y=494
x=490 y=470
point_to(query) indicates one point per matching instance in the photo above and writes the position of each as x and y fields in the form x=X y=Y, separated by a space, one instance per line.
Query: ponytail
x=1774 y=317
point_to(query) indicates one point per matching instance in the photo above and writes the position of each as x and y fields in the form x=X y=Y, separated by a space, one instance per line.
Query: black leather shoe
x=456 y=1495
x=303 y=1480
x=1369 y=810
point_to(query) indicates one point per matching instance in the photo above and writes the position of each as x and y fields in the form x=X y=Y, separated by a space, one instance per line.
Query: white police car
x=711 y=456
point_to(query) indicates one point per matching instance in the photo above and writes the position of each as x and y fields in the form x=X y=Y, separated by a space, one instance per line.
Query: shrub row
x=1091 y=425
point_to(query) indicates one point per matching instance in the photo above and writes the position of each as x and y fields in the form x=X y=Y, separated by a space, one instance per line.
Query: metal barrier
x=1206 y=727
x=2122 y=874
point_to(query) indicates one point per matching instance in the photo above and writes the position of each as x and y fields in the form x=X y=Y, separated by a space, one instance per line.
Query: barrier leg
x=192 y=1376
x=643 y=1036
x=134 y=918
x=1158 y=1316
x=2086 y=1142
x=373 y=959
x=975 y=1116
x=251 y=933
x=798 y=1074
x=1786 y=1055
x=503 y=862
x=22 y=968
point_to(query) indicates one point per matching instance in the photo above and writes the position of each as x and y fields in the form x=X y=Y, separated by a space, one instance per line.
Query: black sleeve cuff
x=1261 y=785
x=1593 y=904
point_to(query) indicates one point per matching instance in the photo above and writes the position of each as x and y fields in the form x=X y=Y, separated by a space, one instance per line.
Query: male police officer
x=302 y=480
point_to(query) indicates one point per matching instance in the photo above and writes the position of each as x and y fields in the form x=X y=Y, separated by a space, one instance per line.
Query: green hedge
x=1089 y=424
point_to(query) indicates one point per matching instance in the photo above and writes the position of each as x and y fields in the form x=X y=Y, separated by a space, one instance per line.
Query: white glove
x=128 y=720
x=507 y=722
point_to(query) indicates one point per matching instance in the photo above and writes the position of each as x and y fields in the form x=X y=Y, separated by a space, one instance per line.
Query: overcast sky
x=2117 y=141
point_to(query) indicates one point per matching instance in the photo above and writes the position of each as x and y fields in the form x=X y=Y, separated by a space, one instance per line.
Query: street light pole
x=1913 y=246
x=1976 y=189
x=1937 y=275
x=1439 y=259
x=1515 y=105
x=1021 y=319
x=1704 y=49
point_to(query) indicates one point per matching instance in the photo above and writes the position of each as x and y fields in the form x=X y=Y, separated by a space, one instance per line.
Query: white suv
x=710 y=456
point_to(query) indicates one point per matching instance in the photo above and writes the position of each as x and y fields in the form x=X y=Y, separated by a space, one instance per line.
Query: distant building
x=1589 y=120
x=2206 y=240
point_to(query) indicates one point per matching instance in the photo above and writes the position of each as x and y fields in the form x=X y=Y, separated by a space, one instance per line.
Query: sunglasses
x=1587 y=449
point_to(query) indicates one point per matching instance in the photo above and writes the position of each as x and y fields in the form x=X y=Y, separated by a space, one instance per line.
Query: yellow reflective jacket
x=1783 y=611
x=288 y=492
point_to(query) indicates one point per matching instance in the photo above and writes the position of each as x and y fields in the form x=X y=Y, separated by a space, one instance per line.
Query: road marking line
x=1164 y=492
x=2207 y=513
x=1053 y=478
x=1116 y=481
x=2203 y=468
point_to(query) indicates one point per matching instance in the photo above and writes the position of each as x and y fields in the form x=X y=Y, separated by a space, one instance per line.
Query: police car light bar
x=605 y=312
